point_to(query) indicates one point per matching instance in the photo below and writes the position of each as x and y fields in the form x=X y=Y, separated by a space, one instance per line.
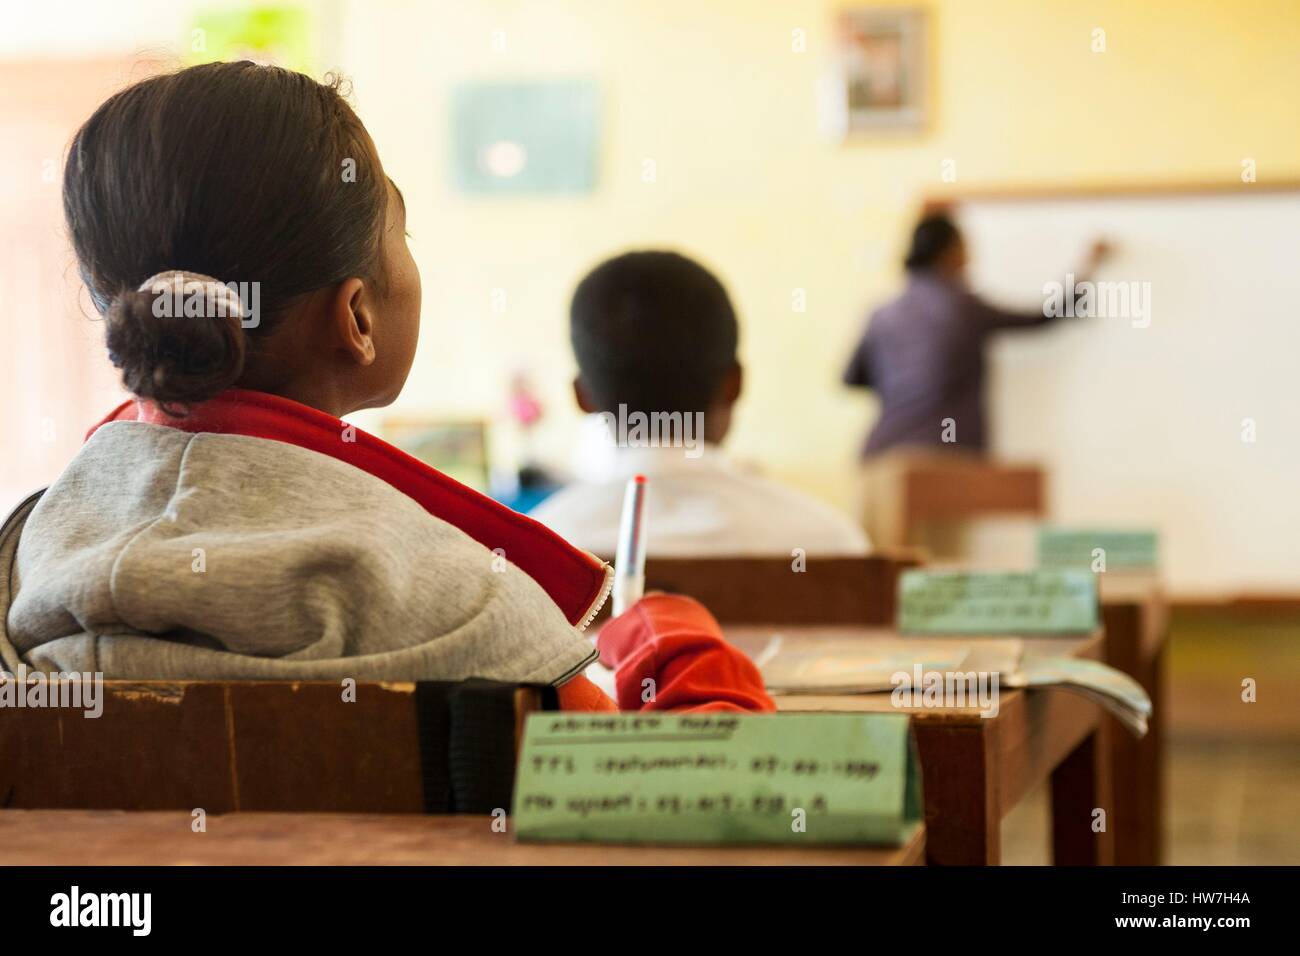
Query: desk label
x=1062 y=601
x=717 y=779
x=1097 y=549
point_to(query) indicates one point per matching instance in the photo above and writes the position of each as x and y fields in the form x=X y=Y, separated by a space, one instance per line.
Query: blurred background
x=790 y=146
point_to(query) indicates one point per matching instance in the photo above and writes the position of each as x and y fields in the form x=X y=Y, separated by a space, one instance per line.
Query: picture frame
x=881 y=68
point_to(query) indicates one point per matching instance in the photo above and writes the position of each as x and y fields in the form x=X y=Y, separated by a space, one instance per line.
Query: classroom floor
x=1230 y=803
x=1232 y=770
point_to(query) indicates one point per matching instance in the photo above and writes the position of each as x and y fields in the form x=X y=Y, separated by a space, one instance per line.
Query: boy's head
x=656 y=332
x=256 y=176
x=937 y=247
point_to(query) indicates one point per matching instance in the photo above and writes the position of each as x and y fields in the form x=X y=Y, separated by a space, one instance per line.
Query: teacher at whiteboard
x=923 y=353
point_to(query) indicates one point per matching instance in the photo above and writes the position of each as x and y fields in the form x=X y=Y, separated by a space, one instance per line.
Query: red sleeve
x=582 y=694
x=674 y=643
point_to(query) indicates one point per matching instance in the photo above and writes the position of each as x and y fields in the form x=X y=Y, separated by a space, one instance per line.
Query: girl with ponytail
x=234 y=225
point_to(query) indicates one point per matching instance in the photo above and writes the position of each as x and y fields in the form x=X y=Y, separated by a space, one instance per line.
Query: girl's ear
x=352 y=320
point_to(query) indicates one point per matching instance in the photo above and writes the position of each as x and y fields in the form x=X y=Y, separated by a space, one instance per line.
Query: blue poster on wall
x=518 y=138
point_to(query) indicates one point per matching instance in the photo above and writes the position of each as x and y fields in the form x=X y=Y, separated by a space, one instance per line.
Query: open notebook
x=872 y=665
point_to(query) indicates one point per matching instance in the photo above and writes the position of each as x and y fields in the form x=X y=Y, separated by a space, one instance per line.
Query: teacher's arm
x=998 y=319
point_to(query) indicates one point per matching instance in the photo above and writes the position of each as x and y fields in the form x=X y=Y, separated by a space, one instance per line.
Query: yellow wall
x=712 y=91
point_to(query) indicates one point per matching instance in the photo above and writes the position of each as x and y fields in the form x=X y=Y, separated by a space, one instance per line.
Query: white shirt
x=698 y=506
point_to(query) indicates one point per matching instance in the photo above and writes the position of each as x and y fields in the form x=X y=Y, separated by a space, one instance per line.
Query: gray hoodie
x=164 y=554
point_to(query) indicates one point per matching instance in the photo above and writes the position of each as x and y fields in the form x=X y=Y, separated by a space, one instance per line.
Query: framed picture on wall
x=880 y=70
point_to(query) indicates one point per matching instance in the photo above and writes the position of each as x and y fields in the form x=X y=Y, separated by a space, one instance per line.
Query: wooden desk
x=748 y=589
x=975 y=769
x=164 y=838
x=1137 y=624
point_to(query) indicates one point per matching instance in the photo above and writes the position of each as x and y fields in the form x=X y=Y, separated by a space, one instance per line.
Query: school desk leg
x=1152 y=755
x=1136 y=770
x=1080 y=788
x=1139 y=842
x=963 y=818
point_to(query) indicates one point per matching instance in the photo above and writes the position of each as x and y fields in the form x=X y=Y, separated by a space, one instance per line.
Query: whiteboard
x=1151 y=426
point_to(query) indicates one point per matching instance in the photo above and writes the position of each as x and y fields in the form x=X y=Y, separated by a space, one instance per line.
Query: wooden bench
x=908 y=492
x=227 y=746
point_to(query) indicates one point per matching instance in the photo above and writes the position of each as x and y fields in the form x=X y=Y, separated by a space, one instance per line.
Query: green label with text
x=717 y=779
x=1097 y=550
x=1060 y=601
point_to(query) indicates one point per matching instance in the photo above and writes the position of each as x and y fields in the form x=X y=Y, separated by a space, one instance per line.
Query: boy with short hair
x=655 y=337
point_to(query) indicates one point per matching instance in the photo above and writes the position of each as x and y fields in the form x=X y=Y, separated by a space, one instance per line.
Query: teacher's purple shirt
x=923 y=355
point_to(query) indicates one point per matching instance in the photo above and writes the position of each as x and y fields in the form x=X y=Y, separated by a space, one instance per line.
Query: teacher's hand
x=1098 y=252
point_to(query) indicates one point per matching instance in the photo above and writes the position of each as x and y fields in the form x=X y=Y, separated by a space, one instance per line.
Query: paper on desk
x=868 y=665
x=1113 y=689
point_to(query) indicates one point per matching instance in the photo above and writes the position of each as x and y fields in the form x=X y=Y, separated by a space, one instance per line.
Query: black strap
x=481 y=751
x=433 y=727
x=467 y=743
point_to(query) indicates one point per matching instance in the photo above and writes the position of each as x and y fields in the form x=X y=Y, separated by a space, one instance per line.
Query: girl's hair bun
x=169 y=358
x=234 y=196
